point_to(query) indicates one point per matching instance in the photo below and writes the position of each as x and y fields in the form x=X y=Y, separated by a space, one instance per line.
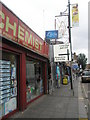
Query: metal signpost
x=51 y=35
x=69 y=29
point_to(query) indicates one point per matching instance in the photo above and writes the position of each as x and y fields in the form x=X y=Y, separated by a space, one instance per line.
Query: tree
x=82 y=60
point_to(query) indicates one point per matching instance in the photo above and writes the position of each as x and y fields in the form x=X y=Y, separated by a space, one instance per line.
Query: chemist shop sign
x=14 y=29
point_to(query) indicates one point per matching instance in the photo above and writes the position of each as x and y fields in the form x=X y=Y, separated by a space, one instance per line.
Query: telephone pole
x=69 y=27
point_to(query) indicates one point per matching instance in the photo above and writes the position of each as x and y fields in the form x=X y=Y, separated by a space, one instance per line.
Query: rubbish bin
x=65 y=80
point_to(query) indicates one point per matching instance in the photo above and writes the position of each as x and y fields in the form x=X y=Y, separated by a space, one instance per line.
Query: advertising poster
x=0 y=110
x=12 y=104
x=4 y=100
x=6 y=107
x=13 y=91
x=4 y=74
x=75 y=15
x=4 y=62
x=5 y=79
x=5 y=70
x=13 y=72
x=5 y=66
x=5 y=83
x=5 y=91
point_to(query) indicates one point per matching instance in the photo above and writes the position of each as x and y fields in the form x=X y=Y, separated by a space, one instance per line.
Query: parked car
x=85 y=77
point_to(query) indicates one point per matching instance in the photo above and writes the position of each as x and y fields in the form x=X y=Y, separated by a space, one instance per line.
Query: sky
x=39 y=15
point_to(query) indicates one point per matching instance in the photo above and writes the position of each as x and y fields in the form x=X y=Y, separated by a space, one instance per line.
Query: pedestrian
x=57 y=76
x=56 y=80
x=68 y=73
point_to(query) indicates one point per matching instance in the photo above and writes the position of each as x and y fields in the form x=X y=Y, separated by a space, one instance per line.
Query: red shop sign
x=8 y=24
x=14 y=29
x=29 y=39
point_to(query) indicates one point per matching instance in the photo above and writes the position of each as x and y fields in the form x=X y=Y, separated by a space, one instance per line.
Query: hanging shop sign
x=62 y=53
x=53 y=34
x=14 y=29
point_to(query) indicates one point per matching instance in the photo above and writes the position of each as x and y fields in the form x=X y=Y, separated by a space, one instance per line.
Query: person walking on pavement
x=57 y=76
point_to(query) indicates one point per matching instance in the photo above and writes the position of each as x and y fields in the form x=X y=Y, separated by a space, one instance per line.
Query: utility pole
x=69 y=27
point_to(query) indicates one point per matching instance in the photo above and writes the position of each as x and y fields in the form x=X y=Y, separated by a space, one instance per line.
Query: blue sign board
x=53 y=34
x=75 y=66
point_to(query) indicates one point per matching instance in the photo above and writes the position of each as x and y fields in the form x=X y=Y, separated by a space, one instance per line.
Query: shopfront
x=23 y=64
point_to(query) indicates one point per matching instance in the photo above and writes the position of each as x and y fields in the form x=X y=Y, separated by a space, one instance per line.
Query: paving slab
x=60 y=104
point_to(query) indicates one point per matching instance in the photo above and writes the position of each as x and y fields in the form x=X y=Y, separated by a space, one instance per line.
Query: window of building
x=34 y=79
x=8 y=83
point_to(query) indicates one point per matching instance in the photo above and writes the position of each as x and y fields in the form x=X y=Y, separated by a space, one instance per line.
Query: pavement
x=62 y=103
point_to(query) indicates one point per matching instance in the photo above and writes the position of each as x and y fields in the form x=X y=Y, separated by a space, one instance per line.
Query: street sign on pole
x=62 y=53
x=75 y=66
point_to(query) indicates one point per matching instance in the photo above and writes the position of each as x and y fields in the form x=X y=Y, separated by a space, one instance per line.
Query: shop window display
x=8 y=83
x=34 y=81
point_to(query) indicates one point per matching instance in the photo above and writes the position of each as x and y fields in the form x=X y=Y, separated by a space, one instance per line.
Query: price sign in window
x=8 y=83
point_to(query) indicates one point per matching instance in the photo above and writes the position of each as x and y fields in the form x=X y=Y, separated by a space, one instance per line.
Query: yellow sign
x=75 y=15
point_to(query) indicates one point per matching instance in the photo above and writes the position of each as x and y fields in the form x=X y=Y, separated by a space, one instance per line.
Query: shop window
x=8 y=83
x=34 y=79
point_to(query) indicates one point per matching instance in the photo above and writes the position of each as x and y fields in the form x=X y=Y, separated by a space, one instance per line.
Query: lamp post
x=69 y=29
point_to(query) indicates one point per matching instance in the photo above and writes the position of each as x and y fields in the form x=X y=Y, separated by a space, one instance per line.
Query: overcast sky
x=39 y=15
